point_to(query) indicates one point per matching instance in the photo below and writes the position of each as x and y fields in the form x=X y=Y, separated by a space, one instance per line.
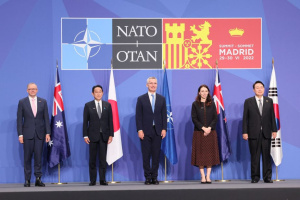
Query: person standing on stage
x=151 y=124
x=33 y=127
x=258 y=127
x=205 y=150
x=97 y=132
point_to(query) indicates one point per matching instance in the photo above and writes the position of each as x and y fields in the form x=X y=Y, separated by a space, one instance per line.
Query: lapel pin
x=267 y=101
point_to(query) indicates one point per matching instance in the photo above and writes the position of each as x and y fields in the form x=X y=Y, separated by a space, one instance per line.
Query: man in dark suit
x=258 y=127
x=33 y=127
x=97 y=131
x=151 y=124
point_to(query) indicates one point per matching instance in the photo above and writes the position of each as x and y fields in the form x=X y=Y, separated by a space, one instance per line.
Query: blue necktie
x=153 y=105
x=153 y=102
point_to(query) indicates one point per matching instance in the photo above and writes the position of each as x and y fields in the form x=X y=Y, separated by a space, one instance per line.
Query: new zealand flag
x=222 y=130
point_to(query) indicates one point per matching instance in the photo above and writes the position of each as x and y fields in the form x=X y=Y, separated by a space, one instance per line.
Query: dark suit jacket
x=92 y=123
x=144 y=115
x=27 y=124
x=252 y=121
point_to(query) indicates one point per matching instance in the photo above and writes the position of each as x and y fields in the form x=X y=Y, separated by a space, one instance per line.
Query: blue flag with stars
x=168 y=145
x=58 y=146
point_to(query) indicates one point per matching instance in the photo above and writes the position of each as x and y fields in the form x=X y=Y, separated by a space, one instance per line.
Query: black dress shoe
x=27 y=183
x=39 y=183
x=103 y=183
x=147 y=181
x=92 y=183
x=254 y=181
x=207 y=182
x=268 y=181
x=155 y=181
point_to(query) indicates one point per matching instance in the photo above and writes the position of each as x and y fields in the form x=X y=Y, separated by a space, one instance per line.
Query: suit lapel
x=27 y=103
x=266 y=103
x=38 y=105
x=93 y=107
x=147 y=100
x=103 y=108
x=255 y=104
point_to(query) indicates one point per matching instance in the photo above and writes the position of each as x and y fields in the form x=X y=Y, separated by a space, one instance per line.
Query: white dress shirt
x=150 y=97
x=100 y=102
x=262 y=101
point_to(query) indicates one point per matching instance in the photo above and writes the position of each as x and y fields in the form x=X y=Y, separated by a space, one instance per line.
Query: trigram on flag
x=221 y=127
x=168 y=145
x=276 y=145
x=114 y=149
x=58 y=146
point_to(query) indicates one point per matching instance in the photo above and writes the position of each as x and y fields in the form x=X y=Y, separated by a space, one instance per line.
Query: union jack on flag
x=221 y=128
x=58 y=146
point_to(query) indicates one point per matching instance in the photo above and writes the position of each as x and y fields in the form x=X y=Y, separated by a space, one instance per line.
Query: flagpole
x=165 y=181
x=222 y=170
x=59 y=183
x=58 y=165
x=277 y=180
x=112 y=165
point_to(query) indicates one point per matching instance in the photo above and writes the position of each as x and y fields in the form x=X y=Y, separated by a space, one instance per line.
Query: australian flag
x=58 y=147
x=222 y=130
x=168 y=145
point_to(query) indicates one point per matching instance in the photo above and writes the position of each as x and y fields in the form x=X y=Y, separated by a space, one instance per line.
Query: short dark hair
x=256 y=82
x=96 y=87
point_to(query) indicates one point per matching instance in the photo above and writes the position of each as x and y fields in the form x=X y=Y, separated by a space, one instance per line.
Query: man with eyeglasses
x=33 y=128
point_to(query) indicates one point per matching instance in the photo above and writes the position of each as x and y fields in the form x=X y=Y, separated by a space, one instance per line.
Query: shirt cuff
x=20 y=135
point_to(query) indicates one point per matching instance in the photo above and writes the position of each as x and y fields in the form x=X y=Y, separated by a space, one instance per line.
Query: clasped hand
x=206 y=130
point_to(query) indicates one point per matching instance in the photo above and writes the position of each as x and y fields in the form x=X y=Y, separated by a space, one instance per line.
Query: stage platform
x=178 y=190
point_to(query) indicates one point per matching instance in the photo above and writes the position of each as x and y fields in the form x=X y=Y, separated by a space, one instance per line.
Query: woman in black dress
x=205 y=151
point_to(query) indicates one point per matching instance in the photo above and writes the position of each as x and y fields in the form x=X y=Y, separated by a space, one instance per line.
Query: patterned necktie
x=260 y=107
x=99 y=110
x=33 y=107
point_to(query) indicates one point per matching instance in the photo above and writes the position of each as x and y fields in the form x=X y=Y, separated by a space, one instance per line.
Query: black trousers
x=100 y=148
x=151 y=149
x=33 y=147
x=260 y=146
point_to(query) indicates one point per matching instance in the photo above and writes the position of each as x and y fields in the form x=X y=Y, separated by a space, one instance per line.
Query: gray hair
x=31 y=84
x=151 y=77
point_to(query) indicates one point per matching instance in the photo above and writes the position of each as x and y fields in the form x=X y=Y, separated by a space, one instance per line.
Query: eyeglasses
x=32 y=89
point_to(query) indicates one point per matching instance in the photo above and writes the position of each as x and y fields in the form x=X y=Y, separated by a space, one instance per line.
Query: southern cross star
x=50 y=143
x=58 y=124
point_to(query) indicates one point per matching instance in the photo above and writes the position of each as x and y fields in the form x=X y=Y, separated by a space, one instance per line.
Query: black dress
x=205 y=150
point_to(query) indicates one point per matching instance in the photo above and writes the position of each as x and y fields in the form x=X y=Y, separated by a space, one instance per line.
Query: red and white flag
x=114 y=149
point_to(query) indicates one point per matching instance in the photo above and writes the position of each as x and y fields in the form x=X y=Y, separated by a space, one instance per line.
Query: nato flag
x=168 y=145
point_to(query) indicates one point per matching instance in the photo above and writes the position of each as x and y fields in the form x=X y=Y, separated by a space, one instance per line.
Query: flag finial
x=111 y=63
x=217 y=64
x=56 y=63
x=273 y=62
x=164 y=64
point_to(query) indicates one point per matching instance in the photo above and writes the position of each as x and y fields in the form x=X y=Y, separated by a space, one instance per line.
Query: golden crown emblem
x=236 y=32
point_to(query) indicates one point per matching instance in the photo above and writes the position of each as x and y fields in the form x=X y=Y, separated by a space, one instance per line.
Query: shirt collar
x=262 y=98
x=96 y=102
x=30 y=98
x=149 y=93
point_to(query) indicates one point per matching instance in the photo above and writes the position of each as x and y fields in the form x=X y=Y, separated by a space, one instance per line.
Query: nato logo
x=86 y=44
